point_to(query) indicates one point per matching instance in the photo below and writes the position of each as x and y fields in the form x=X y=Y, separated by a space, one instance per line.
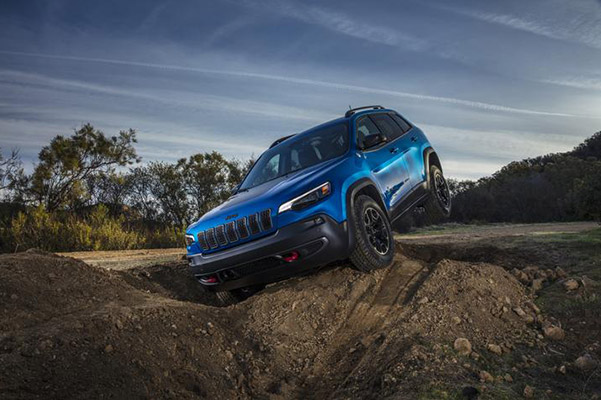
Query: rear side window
x=365 y=127
x=401 y=122
x=387 y=126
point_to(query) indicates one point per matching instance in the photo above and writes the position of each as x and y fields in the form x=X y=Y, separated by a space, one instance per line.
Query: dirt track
x=70 y=330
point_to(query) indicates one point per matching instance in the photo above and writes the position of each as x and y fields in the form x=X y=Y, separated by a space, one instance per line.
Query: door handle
x=414 y=138
x=394 y=150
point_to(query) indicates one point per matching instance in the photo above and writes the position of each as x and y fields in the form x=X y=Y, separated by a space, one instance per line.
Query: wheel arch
x=430 y=158
x=362 y=186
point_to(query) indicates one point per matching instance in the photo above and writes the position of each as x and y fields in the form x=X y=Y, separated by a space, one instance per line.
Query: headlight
x=189 y=240
x=306 y=199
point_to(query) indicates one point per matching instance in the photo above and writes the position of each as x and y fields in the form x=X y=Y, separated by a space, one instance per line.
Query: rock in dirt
x=537 y=284
x=495 y=348
x=554 y=332
x=462 y=346
x=585 y=362
x=570 y=284
x=560 y=272
x=485 y=376
x=519 y=311
x=528 y=392
x=589 y=283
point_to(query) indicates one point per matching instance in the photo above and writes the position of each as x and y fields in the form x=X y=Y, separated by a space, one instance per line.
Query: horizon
x=488 y=83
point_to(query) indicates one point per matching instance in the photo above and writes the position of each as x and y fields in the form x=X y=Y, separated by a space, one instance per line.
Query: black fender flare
x=351 y=194
x=428 y=152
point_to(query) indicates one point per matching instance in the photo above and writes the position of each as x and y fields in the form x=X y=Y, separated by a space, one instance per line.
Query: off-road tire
x=437 y=209
x=365 y=257
x=227 y=298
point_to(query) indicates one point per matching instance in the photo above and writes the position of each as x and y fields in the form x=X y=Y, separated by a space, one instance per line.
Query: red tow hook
x=292 y=256
x=209 y=279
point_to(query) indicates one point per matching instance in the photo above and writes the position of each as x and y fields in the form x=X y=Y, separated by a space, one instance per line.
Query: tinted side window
x=365 y=127
x=402 y=123
x=387 y=126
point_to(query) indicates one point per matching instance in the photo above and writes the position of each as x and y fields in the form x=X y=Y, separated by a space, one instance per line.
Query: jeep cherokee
x=326 y=194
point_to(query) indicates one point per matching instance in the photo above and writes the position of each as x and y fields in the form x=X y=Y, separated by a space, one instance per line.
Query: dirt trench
x=70 y=330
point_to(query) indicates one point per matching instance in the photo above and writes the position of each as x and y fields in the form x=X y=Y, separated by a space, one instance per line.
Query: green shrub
x=98 y=231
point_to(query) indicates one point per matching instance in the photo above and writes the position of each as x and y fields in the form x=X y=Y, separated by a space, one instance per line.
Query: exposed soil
x=71 y=330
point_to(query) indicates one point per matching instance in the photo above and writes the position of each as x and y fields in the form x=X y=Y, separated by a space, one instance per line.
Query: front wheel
x=235 y=296
x=374 y=246
x=438 y=206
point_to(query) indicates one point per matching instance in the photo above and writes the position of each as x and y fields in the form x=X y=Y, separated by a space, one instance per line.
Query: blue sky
x=488 y=81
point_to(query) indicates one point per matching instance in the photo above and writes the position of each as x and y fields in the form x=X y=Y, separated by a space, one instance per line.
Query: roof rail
x=354 y=110
x=280 y=140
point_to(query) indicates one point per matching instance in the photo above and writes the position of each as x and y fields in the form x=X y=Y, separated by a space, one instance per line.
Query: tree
x=58 y=181
x=11 y=171
x=167 y=188
x=208 y=180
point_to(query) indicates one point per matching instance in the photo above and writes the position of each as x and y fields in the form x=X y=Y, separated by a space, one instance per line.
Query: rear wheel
x=374 y=246
x=438 y=206
x=230 y=297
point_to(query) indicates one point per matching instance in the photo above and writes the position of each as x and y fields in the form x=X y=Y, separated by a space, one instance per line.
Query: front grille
x=253 y=223
x=220 y=234
x=242 y=229
x=203 y=241
x=265 y=219
x=210 y=233
x=233 y=231
x=230 y=230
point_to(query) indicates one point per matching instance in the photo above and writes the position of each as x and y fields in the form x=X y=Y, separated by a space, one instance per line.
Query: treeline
x=88 y=192
x=555 y=187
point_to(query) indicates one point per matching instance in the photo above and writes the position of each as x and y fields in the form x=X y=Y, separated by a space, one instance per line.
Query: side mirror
x=373 y=140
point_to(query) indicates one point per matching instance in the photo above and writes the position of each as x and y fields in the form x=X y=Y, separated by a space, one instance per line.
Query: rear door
x=410 y=142
x=386 y=160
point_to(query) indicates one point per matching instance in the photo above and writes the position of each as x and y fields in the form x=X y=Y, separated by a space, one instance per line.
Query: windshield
x=293 y=155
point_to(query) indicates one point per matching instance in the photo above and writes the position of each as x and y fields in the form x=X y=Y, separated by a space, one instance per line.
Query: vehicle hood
x=269 y=195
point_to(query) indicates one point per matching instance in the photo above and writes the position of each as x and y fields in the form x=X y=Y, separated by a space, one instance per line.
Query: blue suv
x=326 y=194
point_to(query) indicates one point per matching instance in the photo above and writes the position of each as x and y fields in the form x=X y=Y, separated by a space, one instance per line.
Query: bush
x=98 y=231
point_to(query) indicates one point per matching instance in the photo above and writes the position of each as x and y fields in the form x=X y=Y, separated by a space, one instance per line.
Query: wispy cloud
x=183 y=99
x=577 y=82
x=579 y=26
x=339 y=22
x=304 y=81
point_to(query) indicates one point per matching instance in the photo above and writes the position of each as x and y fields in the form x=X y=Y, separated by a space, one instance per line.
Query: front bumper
x=319 y=240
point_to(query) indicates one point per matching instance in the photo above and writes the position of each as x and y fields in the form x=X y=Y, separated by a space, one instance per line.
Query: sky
x=488 y=81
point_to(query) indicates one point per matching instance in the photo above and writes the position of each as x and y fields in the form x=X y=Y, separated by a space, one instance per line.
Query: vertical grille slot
x=211 y=240
x=242 y=228
x=202 y=240
x=265 y=216
x=230 y=230
x=220 y=234
x=253 y=223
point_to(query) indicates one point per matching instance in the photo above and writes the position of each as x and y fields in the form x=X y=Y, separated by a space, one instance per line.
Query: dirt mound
x=69 y=330
x=171 y=280
x=75 y=331
x=36 y=286
x=478 y=301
